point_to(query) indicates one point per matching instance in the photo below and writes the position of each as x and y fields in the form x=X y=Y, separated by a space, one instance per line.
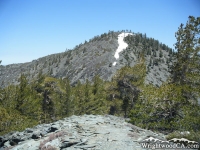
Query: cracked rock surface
x=91 y=132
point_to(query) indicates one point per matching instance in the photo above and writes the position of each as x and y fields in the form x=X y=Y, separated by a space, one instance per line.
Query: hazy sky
x=30 y=29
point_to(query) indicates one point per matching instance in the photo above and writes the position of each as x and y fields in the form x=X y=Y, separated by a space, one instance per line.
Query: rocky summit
x=80 y=132
x=97 y=57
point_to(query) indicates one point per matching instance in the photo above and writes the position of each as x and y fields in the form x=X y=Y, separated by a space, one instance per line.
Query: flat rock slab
x=84 y=132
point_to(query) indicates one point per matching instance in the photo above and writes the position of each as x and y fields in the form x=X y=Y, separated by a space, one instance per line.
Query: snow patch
x=114 y=63
x=122 y=45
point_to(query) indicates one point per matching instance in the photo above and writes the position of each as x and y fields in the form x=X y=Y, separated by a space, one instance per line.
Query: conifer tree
x=125 y=87
x=87 y=95
x=96 y=84
x=160 y=54
x=79 y=99
x=22 y=93
x=4 y=117
x=97 y=104
x=48 y=103
x=67 y=97
x=186 y=70
x=173 y=106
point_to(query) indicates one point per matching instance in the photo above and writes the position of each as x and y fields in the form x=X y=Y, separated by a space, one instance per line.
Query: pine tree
x=87 y=95
x=48 y=103
x=22 y=93
x=186 y=70
x=174 y=106
x=97 y=104
x=67 y=97
x=79 y=99
x=150 y=62
x=124 y=89
x=154 y=54
x=96 y=84
x=160 y=54
x=4 y=117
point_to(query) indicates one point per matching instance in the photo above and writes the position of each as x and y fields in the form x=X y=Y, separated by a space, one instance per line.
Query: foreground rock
x=80 y=132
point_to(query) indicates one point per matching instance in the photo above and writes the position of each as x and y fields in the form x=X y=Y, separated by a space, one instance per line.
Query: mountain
x=116 y=73
x=96 y=57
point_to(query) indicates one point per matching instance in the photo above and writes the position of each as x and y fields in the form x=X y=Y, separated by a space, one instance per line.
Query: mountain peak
x=103 y=55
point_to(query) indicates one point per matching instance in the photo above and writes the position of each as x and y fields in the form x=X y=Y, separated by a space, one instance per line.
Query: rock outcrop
x=80 y=132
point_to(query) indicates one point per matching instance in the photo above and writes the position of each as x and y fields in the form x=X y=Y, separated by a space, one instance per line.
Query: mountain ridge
x=94 y=57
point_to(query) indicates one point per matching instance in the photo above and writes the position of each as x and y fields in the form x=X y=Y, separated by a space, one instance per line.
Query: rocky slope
x=88 y=132
x=80 y=132
x=95 y=57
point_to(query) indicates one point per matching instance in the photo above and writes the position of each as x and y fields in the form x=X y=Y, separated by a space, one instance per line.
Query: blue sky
x=30 y=29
